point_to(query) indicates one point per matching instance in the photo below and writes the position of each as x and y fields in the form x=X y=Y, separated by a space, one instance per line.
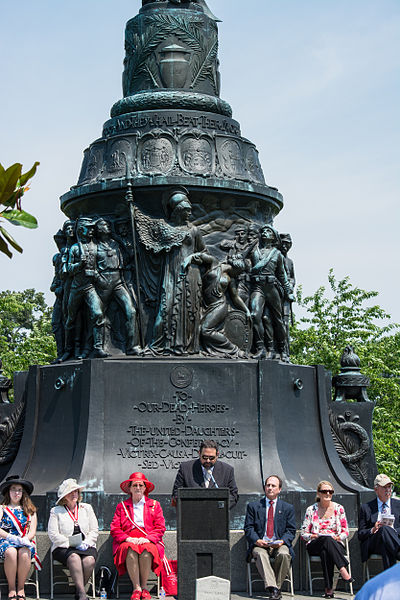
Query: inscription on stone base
x=159 y=423
x=212 y=588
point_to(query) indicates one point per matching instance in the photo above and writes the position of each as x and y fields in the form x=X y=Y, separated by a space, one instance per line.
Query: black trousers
x=331 y=553
x=386 y=542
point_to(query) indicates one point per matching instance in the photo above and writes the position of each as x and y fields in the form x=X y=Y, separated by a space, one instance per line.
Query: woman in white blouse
x=73 y=532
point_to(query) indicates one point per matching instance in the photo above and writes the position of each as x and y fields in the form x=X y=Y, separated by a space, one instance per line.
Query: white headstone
x=213 y=588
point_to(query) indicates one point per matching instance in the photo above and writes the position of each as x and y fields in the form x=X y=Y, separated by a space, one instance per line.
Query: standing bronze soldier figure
x=267 y=274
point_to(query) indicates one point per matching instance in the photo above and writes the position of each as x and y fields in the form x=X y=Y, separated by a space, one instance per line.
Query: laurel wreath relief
x=353 y=448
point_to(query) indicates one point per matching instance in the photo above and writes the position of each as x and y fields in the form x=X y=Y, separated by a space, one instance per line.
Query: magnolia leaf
x=20 y=217
x=8 y=181
x=10 y=239
x=4 y=247
x=26 y=176
x=12 y=199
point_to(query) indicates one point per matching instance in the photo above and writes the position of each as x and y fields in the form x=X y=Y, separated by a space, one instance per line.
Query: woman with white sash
x=18 y=523
x=73 y=532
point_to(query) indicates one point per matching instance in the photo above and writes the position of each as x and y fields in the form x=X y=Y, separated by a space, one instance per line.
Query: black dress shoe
x=276 y=594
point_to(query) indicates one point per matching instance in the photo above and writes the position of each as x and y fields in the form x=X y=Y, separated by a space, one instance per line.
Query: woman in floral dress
x=324 y=530
x=18 y=523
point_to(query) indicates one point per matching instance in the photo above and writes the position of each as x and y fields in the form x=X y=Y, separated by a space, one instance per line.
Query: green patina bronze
x=170 y=136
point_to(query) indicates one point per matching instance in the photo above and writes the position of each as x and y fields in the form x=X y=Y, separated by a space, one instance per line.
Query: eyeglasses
x=326 y=492
x=16 y=491
x=208 y=458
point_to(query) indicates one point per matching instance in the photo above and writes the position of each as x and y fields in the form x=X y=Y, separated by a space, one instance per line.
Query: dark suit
x=284 y=523
x=284 y=529
x=386 y=541
x=190 y=475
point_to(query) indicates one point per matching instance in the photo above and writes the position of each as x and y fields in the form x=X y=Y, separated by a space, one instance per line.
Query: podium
x=202 y=537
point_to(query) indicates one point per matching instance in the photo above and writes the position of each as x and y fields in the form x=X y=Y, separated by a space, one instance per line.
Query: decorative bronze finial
x=350 y=358
x=350 y=384
x=201 y=3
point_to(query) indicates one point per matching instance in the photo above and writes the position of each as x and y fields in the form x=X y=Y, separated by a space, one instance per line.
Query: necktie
x=208 y=478
x=385 y=508
x=270 y=521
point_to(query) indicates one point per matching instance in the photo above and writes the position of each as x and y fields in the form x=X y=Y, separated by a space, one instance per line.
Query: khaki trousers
x=274 y=574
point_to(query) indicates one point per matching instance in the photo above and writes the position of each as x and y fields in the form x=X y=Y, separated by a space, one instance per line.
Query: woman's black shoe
x=351 y=580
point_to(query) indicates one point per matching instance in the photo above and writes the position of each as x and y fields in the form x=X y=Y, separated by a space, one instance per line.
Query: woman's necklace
x=327 y=512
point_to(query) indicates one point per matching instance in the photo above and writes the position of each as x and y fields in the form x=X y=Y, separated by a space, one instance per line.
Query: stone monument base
x=100 y=420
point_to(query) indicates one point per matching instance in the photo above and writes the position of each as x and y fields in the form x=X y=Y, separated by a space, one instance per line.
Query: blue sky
x=314 y=84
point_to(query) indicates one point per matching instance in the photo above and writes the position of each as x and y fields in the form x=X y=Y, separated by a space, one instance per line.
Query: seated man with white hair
x=379 y=524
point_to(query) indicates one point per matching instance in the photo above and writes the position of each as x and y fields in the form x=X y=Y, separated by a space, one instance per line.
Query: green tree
x=12 y=188
x=25 y=331
x=345 y=316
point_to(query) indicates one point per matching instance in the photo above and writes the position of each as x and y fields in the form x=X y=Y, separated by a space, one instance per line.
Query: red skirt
x=122 y=551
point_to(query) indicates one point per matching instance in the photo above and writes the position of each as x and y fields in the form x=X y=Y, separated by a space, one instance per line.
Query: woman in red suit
x=137 y=529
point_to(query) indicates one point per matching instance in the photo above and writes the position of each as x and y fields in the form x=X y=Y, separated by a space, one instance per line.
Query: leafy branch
x=340 y=314
x=12 y=188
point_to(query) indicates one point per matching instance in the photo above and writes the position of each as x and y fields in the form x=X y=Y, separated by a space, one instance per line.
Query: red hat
x=135 y=477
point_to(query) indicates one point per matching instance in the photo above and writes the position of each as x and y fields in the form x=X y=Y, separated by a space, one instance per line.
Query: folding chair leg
x=93 y=584
x=309 y=574
x=37 y=583
x=51 y=578
x=249 y=585
x=291 y=579
x=350 y=584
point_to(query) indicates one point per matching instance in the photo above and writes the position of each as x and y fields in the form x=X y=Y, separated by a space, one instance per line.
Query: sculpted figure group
x=167 y=293
x=88 y=276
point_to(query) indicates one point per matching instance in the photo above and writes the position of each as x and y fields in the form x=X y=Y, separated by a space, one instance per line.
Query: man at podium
x=206 y=471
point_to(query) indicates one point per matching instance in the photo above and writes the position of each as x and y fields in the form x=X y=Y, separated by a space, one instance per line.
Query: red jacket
x=154 y=523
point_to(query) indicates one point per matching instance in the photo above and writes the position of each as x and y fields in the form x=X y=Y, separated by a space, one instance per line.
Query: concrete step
x=235 y=596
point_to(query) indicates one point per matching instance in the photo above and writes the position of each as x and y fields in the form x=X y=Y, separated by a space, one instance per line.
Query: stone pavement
x=287 y=596
x=234 y=596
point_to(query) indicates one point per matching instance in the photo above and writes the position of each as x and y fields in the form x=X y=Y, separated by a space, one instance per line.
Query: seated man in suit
x=270 y=528
x=206 y=471
x=376 y=537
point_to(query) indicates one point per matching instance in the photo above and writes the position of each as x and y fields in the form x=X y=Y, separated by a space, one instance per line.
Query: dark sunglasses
x=326 y=491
